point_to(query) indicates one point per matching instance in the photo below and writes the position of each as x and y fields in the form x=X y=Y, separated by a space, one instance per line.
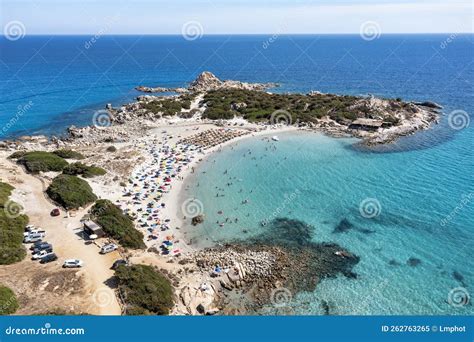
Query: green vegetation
x=167 y=106
x=145 y=290
x=70 y=192
x=12 y=226
x=259 y=106
x=83 y=170
x=8 y=301
x=17 y=154
x=37 y=161
x=116 y=224
x=68 y=154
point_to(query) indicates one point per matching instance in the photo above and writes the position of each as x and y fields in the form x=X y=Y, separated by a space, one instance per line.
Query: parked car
x=43 y=247
x=55 y=212
x=33 y=238
x=108 y=248
x=118 y=263
x=37 y=244
x=34 y=231
x=48 y=258
x=73 y=263
x=41 y=254
x=40 y=245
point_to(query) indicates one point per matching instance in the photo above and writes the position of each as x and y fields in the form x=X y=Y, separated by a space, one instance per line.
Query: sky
x=231 y=16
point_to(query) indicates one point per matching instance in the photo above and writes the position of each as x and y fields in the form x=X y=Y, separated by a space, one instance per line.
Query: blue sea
x=405 y=209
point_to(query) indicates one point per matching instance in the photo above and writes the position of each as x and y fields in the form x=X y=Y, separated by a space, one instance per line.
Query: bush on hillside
x=145 y=290
x=8 y=301
x=83 y=170
x=68 y=154
x=37 y=161
x=12 y=227
x=70 y=192
x=116 y=224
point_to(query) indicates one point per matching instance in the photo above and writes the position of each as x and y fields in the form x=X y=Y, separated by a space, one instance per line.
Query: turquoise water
x=418 y=182
x=324 y=181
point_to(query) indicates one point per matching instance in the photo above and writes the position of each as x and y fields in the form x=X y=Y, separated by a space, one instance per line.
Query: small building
x=366 y=124
x=92 y=228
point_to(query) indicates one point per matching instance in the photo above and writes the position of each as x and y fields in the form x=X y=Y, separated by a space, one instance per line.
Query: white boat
x=275 y=138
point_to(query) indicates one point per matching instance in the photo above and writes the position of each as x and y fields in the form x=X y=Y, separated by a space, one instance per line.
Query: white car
x=40 y=254
x=33 y=231
x=33 y=238
x=108 y=248
x=73 y=263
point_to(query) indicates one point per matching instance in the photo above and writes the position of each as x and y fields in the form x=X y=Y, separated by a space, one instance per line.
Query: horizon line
x=239 y=34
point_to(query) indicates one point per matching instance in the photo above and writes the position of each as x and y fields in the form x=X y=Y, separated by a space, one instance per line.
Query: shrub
x=145 y=290
x=37 y=161
x=17 y=154
x=83 y=170
x=116 y=224
x=70 y=192
x=11 y=230
x=68 y=154
x=8 y=301
x=111 y=149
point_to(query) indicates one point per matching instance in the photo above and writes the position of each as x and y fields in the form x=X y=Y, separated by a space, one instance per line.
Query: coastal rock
x=205 y=81
x=197 y=220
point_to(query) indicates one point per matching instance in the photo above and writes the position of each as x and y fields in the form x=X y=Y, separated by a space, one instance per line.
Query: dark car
x=118 y=263
x=55 y=212
x=49 y=258
x=48 y=249
x=37 y=244
x=42 y=246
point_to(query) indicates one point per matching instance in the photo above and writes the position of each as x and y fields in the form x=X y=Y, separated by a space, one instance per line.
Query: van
x=108 y=248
